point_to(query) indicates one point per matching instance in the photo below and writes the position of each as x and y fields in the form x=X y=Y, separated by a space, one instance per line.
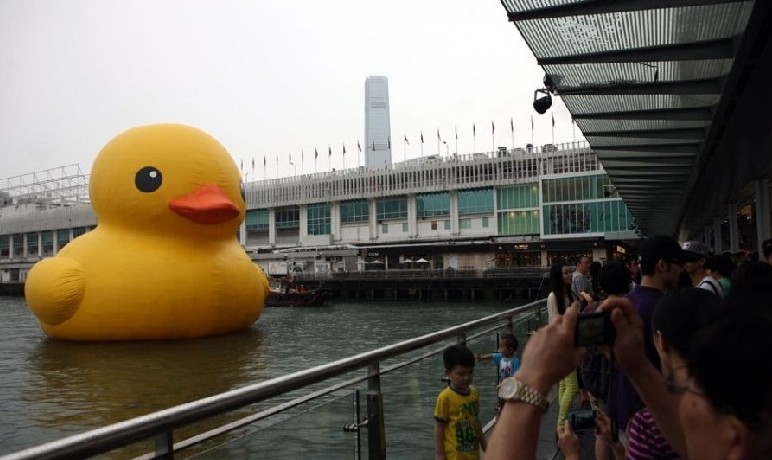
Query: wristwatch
x=512 y=389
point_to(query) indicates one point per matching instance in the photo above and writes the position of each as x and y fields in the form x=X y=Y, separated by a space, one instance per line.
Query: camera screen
x=593 y=329
x=582 y=420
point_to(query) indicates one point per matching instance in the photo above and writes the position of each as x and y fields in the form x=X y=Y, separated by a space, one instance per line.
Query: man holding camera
x=661 y=262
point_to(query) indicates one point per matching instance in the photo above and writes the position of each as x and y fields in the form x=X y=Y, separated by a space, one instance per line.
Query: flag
x=359 y=147
x=264 y=163
x=474 y=131
x=512 y=124
x=329 y=151
x=406 y=141
x=493 y=127
x=553 y=120
x=253 y=162
x=290 y=158
x=242 y=164
x=438 y=134
x=344 y=149
x=456 y=128
x=422 y=137
x=316 y=154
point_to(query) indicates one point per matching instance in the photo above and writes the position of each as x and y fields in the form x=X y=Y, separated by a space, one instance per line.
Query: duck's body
x=163 y=264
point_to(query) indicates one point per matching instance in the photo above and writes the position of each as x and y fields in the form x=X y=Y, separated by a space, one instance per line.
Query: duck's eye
x=148 y=179
x=243 y=191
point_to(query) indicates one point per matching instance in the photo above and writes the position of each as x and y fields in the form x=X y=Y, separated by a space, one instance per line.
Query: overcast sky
x=266 y=78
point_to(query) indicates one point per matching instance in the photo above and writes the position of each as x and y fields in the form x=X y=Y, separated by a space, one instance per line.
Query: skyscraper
x=377 y=123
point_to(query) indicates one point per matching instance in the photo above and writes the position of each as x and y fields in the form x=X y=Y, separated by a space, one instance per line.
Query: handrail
x=123 y=433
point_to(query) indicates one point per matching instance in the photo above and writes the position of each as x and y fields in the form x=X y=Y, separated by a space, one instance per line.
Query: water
x=51 y=389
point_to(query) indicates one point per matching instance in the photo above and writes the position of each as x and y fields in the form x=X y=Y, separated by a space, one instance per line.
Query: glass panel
x=433 y=204
x=391 y=208
x=257 y=219
x=354 y=211
x=475 y=201
x=318 y=219
x=288 y=218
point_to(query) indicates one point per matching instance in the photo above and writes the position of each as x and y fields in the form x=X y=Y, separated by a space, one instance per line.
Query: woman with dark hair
x=558 y=302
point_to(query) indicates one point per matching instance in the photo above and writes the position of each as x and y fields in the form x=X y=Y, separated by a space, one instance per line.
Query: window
x=318 y=219
x=577 y=188
x=518 y=222
x=257 y=219
x=354 y=211
x=288 y=218
x=446 y=224
x=466 y=224
x=432 y=204
x=5 y=246
x=404 y=227
x=518 y=197
x=434 y=225
x=62 y=237
x=475 y=201
x=485 y=222
x=391 y=208
x=384 y=228
x=32 y=243
x=587 y=217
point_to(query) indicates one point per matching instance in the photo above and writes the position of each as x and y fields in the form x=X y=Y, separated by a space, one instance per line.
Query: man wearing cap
x=661 y=262
x=696 y=256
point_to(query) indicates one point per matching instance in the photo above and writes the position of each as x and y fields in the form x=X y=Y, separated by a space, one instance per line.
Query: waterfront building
x=377 y=123
x=499 y=210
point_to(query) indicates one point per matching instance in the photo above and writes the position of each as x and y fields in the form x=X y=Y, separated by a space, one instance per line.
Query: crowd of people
x=686 y=371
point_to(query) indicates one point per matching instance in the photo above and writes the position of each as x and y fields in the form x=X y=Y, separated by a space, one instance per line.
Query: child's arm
x=481 y=436
x=439 y=444
x=483 y=357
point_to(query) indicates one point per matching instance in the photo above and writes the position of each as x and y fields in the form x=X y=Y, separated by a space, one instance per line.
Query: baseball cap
x=694 y=250
x=660 y=247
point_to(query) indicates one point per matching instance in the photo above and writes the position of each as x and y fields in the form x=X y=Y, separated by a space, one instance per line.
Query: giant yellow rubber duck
x=163 y=261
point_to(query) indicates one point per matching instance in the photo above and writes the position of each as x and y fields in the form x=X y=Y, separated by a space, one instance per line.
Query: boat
x=309 y=298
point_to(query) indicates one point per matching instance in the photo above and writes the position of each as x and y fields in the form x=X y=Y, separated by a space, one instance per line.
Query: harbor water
x=52 y=389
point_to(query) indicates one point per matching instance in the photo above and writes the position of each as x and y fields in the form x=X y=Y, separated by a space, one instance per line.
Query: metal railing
x=161 y=424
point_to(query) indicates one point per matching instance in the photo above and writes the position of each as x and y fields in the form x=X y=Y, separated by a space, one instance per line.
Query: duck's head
x=167 y=178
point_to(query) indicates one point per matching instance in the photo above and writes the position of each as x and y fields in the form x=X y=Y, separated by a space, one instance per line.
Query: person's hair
x=751 y=276
x=727 y=361
x=680 y=314
x=558 y=287
x=766 y=247
x=457 y=355
x=511 y=340
x=615 y=278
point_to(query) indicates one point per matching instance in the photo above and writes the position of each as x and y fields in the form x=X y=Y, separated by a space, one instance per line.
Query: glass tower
x=377 y=123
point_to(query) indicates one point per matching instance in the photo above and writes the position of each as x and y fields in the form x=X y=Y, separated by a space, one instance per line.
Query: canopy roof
x=671 y=94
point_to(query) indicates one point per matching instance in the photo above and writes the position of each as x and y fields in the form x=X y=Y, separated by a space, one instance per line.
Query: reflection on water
x=51 y=389
x=133 y=378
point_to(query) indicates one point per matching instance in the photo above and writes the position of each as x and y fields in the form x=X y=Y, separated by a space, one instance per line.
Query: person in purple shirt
x=661 y=262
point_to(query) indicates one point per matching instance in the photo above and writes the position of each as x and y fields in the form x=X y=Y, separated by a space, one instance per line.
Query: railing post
x=164 y=445
x=461 y=338
x=376 y=431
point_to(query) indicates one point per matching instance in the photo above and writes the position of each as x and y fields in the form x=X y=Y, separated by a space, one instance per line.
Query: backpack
x=596 y=372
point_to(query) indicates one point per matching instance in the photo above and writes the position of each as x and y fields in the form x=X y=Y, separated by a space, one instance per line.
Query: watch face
x=508 y=388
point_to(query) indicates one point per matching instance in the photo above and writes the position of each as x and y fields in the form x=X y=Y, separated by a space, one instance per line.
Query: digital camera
x=582 y=420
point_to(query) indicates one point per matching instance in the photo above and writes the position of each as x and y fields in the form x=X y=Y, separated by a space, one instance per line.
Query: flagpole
x=474 y=139
x=553 y=129
x=493 y=137
x=456 y=141
x=512 y=125
x=531 y=130
x=404 y=148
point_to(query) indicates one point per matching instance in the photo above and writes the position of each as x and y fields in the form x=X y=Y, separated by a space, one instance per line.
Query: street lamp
x=294 y=169
x=447 y=153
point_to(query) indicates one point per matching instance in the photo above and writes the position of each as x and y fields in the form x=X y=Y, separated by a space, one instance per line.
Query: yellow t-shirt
x=460 y=414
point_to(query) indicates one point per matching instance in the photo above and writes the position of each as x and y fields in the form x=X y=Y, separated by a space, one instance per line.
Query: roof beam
x=664 y=133
x=603 y=6
x=670 y=148
x=703 y=86
x=691 y=114
x=709 y=49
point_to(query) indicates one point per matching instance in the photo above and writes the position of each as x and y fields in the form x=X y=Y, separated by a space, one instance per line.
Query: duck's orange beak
x=207 y=205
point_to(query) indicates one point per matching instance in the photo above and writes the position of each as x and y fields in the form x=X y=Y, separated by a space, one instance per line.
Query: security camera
x=541 y=104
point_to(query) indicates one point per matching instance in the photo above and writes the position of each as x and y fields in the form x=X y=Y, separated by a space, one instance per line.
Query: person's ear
x=739 y=439
x=660 y=342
